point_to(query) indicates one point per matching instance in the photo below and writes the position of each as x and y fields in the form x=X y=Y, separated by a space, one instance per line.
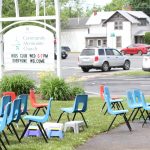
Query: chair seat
x=68 y=110
x=40 y=105
x=117 y=112
x=34 y=118
x=136 y=106
x=116 y=100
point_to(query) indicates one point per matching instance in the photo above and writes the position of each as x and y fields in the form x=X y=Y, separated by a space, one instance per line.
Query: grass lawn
x=97 y=123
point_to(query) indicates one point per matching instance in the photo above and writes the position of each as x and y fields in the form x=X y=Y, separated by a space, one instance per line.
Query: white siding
x=74 y=38
x=97 y=30
x=125 y=34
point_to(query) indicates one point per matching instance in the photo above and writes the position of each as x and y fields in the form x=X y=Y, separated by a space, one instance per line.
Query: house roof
x=131 y=16
x=141 y=32
x=75 y=23
x=99 y=17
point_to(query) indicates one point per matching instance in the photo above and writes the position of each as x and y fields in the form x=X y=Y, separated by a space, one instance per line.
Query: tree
x=141 y=5
x=116 y=5
x=147 y=37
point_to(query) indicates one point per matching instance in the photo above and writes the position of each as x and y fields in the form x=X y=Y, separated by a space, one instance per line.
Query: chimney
x=95 y=11
x=127 y=7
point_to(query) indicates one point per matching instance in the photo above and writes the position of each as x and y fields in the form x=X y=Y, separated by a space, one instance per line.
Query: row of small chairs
x=135 y=100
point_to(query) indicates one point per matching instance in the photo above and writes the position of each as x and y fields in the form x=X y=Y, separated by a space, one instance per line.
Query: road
x=92 y=80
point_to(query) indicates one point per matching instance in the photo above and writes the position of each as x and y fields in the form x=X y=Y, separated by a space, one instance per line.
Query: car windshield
x=88 y=52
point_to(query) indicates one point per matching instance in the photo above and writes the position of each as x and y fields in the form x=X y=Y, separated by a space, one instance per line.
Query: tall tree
x=141 y=5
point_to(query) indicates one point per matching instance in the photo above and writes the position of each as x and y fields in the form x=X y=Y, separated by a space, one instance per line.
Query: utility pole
x=37 y=2
x=16 y=8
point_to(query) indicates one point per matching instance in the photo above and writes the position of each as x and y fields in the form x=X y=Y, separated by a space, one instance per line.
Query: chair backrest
x=32 y=97
x=107 y=99
x=4 y=101
x=4 y=118
x=130 y=98
x=11 y=94
x=137 y=96
x=102 y=92
x=48 y=111
x=24 y=103
x=80 y=103
x=15 y=111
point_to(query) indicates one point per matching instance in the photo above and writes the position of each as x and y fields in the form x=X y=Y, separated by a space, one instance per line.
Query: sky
x=98 y=2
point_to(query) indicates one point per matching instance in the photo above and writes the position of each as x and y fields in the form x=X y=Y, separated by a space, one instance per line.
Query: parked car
x=64 y=54
x=102 y=58
x=146 y=62
x=139 y=49
x=66 y=48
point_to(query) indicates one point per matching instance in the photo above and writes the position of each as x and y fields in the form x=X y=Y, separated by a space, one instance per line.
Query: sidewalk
x=121 y=139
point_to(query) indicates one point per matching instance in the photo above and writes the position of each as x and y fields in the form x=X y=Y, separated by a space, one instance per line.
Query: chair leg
x=43 y=111
x=68 y=117
x=22 y=121
x=135 y=114
x=60 y=117
x=103 y=106
x=131 y=115
x=38 y=109
x=146 y=118
x=25 y=130
x=15 y=132
x=6 y=137
x=83 y=119
x=127 y=122
x=42 y=133
x=74 y=116
x=43 y=130
x=142 y=115
x=121 y=105
x=8 y=127
x=3 y=144
x=111 y=123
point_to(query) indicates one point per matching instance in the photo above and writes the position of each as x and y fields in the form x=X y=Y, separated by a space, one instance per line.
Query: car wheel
x=140 y=52
x=85 y=69
x=123 y=52
x=105 y=67
x=126 y=65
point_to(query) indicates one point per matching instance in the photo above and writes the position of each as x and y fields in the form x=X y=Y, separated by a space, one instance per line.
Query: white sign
x=29 y=48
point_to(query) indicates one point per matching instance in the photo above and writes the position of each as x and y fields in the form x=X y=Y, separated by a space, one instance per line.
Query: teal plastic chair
x=146 y=106
x=24 y=106
x=3 y=124
x=39 y=120
x=80 y=100
x=114 y=112
x=4 y=101
x=14 y=115
x=135 y=103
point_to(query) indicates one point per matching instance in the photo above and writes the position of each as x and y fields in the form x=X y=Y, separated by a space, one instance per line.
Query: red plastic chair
x=36 y=105
x=11 y=94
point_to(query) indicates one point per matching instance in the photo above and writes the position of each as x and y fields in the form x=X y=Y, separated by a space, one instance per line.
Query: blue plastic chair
x=3 y=124
x=4 y=101
x=114 y=112
x=146 y=107
x=134 y=102
x=14 y=115
x=80 y=100
x=24 y=105
x=39 y=120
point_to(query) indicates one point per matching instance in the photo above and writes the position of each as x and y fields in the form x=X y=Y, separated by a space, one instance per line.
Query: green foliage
x=17 y=83
x=147 y=37
x=52 y=86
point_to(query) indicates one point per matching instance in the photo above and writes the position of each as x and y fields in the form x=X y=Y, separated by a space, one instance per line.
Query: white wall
x=97 y=29
x=125 y=34
x=74 y=38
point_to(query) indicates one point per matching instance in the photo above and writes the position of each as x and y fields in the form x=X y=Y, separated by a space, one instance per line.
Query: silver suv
x=102 y=58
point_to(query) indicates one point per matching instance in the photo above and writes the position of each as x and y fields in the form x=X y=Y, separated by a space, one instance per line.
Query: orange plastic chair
x=36 y=105
x=11 y=94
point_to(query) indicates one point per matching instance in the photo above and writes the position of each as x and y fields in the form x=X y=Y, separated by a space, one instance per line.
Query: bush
x=147 y=37
x=52 y=86
x=17 y=83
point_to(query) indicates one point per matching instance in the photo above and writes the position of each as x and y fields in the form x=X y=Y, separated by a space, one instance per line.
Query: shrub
x=147 y=37
x=52 y=86
x=16 y=83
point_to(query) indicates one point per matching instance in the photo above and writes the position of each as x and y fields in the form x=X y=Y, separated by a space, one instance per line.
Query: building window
x=118 y=25
x=90 y=42
x=118 y=41
x=99 y=43
x=104 y=43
